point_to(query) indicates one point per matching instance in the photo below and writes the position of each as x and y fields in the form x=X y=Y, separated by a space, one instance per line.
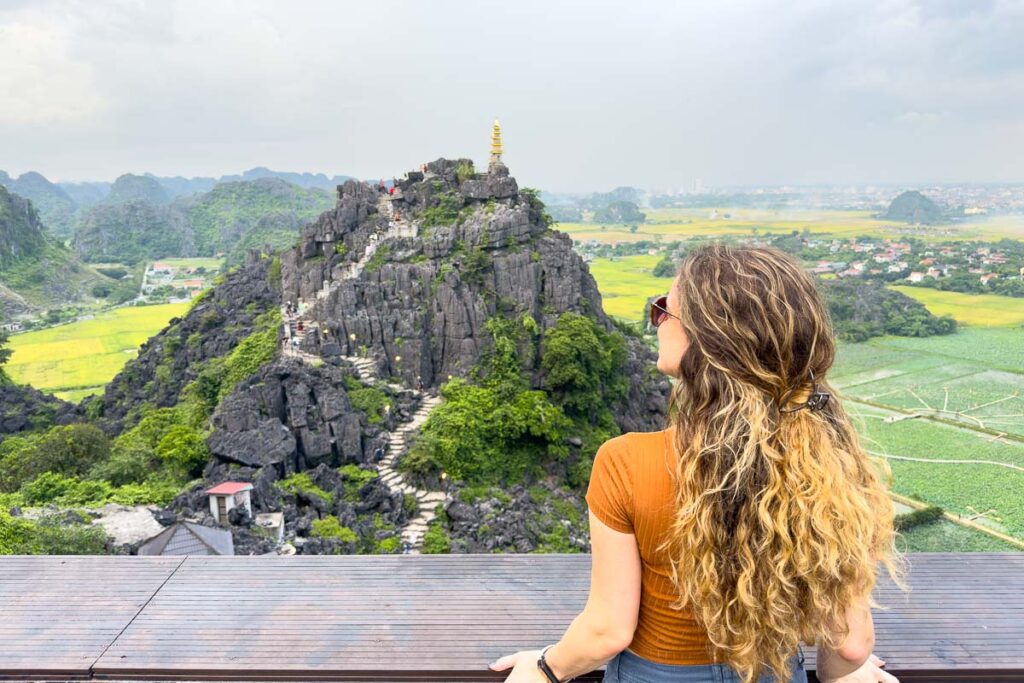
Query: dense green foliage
x=355 y=477
x=863 y=309
x=497 y=430
x=300 y=484
x=619 y=212
x=493 y=429
x=49 y=537
x=909 y=520
x=582 y=366
x=330 y=527
x=69 y=450
x=368 y=399
x=666 y=267
x=444 y=212
x=255 y=350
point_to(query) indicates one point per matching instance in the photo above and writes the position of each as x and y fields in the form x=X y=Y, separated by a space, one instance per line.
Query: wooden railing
x=417 y=617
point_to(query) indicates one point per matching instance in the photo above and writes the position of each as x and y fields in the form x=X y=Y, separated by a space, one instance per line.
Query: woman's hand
x=869 y=672
x=524 y=667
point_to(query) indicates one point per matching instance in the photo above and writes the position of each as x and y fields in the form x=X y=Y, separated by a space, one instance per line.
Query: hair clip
x=816 y=401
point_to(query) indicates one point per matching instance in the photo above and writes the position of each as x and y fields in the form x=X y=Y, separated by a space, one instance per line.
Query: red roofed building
x=227 y=495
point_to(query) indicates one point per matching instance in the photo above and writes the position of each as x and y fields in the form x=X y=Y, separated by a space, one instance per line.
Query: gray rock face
x=292 y=416
x=520 y=525
x=212 y=328
x=422 y=312
x=23 y=407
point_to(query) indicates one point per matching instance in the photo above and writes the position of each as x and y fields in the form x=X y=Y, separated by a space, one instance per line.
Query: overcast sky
x=590 y=95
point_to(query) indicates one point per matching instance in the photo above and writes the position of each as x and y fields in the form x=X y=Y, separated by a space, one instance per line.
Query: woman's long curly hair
x=781 y=517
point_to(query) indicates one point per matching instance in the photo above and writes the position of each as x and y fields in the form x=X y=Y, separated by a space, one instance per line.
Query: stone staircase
x=426 y=500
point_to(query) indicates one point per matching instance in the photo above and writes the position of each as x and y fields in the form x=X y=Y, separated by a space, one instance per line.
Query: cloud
x=591 y=94
x=41 y=84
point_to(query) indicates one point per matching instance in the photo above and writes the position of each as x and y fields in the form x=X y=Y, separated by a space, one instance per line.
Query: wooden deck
x=416 y=617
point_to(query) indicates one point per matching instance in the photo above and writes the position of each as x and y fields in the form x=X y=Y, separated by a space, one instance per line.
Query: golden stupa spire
x=496 y=143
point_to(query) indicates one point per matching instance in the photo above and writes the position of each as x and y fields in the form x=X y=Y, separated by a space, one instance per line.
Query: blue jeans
x=629 y=667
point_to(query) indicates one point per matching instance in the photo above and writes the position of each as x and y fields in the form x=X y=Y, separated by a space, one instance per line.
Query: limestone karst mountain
x=36 y=270
x=393 y=292
x=55 y=207
x=914 y=207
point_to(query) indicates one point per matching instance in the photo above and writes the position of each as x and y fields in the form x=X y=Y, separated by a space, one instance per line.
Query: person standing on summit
x=755 y=522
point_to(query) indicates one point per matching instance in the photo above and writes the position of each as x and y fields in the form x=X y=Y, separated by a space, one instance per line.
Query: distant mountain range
x=60 y=203
x=49 y=231
x=138 y=220
x=36 y=270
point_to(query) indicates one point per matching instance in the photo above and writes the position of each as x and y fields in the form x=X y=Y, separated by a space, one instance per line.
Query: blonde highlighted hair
x=781 y=517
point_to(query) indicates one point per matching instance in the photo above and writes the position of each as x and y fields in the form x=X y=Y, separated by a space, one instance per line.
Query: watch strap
x=542 y=664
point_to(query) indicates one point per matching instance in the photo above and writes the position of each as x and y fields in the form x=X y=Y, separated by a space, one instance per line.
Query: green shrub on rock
x=329 y=527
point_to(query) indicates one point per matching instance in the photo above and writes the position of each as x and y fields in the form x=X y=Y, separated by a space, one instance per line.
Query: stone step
x=432 y=498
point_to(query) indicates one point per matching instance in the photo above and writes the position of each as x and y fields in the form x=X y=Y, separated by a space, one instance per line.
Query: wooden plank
x=60 y=612
x=423 y=617
x=444 y=617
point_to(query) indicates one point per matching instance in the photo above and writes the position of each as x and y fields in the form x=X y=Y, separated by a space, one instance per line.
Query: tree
x=583 y=366
x=69 y=450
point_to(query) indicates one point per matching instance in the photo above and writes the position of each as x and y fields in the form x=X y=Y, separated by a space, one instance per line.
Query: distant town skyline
x=591 y=95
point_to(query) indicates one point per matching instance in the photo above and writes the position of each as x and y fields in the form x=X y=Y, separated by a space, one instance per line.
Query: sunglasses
x=659 y=311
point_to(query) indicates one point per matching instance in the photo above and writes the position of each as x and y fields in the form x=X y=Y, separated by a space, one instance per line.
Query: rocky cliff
x=403 y=283
x=56 y=208
x=36 y=270
x=419 y=310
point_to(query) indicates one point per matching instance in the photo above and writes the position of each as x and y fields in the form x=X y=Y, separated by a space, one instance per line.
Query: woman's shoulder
x=632 y=445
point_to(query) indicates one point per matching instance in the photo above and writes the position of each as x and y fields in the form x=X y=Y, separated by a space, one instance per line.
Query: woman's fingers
x=876 y=660
x=886 y=677
x=501 y=664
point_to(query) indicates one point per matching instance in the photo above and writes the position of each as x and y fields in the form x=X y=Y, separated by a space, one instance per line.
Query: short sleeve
x=610 y=492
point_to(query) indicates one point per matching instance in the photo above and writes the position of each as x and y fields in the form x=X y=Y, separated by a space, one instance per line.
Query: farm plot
x=973 y=309
x=980 y=386
x=626 y=283
x=77 y=359
x=961 y=470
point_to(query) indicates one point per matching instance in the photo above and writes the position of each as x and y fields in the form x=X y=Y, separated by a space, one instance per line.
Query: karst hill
x=310 y=373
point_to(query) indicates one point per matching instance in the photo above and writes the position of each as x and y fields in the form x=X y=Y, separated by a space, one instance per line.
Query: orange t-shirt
x=631 y=490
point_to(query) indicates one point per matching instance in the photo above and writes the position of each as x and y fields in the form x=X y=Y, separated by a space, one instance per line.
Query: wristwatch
x=542 y=664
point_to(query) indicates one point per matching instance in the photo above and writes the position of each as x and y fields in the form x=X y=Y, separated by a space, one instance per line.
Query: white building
x=227 y=495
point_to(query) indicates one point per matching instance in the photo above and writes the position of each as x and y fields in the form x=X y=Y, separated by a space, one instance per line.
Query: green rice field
x=972 y=309
x=943 y=398
x=626 y=283
x=965 y=488
x=669 y=224
x=77 y=359
x=210 y=264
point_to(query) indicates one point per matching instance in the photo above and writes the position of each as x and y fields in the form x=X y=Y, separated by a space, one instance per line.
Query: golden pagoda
x=496 y=145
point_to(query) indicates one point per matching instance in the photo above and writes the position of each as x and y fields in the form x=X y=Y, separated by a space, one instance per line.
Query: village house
x=228 y=495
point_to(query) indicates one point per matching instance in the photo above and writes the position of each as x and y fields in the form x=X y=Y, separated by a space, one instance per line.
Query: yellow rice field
x=985 y=310
x=670 y=224
x=77 y=359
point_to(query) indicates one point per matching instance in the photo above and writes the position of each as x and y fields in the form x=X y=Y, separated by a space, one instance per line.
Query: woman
x=754 y=522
